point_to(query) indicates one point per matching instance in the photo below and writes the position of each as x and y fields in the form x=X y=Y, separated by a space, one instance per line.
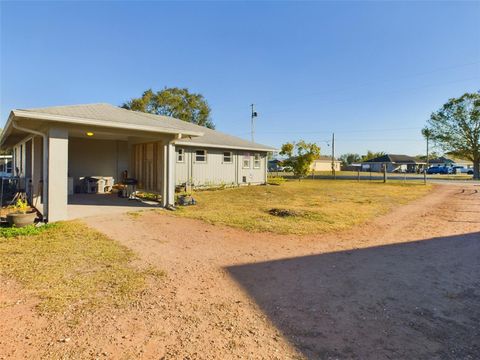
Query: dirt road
x=406 y=285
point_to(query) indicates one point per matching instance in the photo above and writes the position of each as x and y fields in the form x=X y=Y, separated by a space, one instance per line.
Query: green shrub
x=275 y=180
x=9 y=232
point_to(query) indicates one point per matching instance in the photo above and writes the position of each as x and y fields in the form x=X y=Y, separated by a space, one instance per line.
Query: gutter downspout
x=44 y=165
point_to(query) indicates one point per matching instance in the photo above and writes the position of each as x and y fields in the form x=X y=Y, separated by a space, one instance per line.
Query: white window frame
x=257 y=161
x=246 y=157
x=230 y=155
x=204 y=161
x=180 y=155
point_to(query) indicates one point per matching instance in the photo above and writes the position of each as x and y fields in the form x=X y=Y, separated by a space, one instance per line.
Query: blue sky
x=372 y=72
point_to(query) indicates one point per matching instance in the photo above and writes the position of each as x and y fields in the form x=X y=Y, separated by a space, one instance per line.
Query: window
x=180 y=155
x=256 y=161
x=201 y=156
x=227 y=157
x=246 y=161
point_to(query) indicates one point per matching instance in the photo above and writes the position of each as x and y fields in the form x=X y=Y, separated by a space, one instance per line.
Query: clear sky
x=372 y=72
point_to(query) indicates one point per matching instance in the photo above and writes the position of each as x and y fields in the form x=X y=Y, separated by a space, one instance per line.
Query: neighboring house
x=5 y=165
x=55 y=148
x=275 y=165
x=450 y=161
x=394 y=163
x=324 y=163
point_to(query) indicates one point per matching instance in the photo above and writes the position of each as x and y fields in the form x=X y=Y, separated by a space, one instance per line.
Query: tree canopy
x=350 y=158
x=175 y=102
x=372 y=155
x=300 y=155
x=455 y=128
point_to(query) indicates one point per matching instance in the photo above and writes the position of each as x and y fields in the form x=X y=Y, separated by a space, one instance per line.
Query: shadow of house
x=418 y=300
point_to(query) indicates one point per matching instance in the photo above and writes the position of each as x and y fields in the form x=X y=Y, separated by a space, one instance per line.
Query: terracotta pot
x=21 y=220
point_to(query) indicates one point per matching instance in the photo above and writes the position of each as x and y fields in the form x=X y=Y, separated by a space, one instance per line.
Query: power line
x=357 y=85
x=334 y=102
x=306 y=132
x=380 y=81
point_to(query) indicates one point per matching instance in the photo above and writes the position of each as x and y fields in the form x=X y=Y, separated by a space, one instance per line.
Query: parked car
x=462 y=170
x=439 y=170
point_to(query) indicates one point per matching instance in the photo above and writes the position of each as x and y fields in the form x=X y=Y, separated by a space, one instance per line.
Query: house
x=449 y=162
x=5 y=165
x=324 y=163
x=55 y=149
x=275 y=165
x=393 y=163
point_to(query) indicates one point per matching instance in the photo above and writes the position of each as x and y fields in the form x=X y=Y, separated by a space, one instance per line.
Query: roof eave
x=102 y=123
x=224 y=146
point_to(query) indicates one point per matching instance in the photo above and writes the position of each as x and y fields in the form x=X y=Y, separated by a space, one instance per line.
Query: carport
x=55 y=148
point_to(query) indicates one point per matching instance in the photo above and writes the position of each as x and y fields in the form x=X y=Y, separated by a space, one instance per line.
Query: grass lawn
x=68 y=265
x=321 y=205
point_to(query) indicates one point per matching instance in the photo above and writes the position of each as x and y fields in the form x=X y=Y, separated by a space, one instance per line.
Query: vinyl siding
x=93 y=157
x=215 y=171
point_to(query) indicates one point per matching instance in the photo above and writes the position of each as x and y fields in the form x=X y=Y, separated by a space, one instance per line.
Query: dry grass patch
x=70 y=266
x=318 y=205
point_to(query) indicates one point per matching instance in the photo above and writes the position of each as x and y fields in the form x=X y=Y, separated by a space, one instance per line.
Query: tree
x=300 y=156
x=371 y=155
x=350 y=158
x=5 y=151
x=431 y=155
x=455 y=128
x=174 y=102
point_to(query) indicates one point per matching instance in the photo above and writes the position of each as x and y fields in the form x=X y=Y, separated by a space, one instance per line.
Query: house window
x=180 y=155
x=201 y=156
x=227 y=157
x=256 y=161
x=246 y=161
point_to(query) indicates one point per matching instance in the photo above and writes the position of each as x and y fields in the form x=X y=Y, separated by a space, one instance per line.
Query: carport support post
x=171 y=174
x=168 y=184
x=57 y=182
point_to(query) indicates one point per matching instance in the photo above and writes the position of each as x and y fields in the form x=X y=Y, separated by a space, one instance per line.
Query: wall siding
x=215 y=172
x=93 y=157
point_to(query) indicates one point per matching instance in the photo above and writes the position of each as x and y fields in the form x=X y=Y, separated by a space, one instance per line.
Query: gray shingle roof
x=112 y=114
x=396 y=159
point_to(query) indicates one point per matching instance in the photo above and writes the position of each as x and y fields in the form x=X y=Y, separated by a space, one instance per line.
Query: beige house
x=56 y=148
x=324 y=163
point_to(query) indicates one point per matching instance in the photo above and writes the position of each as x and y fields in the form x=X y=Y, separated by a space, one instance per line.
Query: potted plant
x=22 y=215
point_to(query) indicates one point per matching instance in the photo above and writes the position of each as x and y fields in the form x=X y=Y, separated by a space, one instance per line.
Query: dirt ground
x=406 y=285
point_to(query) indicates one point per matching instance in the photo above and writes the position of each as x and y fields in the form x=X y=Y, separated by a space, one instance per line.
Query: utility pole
x=333 y=156
x=254 y=115
x=427 y=135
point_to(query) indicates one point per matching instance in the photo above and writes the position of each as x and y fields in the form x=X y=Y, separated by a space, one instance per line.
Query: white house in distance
x=324 y=163
x=57 y=148
x=450 y=161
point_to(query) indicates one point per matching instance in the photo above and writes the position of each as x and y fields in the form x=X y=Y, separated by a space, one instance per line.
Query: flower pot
x=21 y=220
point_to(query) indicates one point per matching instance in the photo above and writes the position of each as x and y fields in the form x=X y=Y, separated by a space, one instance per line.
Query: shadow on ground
x=108 y=200
x=417 y=300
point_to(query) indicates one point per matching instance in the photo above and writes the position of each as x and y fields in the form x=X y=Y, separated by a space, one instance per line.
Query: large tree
x=372 y=155
x=175 y=102
x=300 y=156
x=455 y=128
x=350 y=158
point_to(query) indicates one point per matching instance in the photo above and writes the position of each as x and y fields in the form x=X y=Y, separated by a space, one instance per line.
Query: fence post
x=384 y=173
